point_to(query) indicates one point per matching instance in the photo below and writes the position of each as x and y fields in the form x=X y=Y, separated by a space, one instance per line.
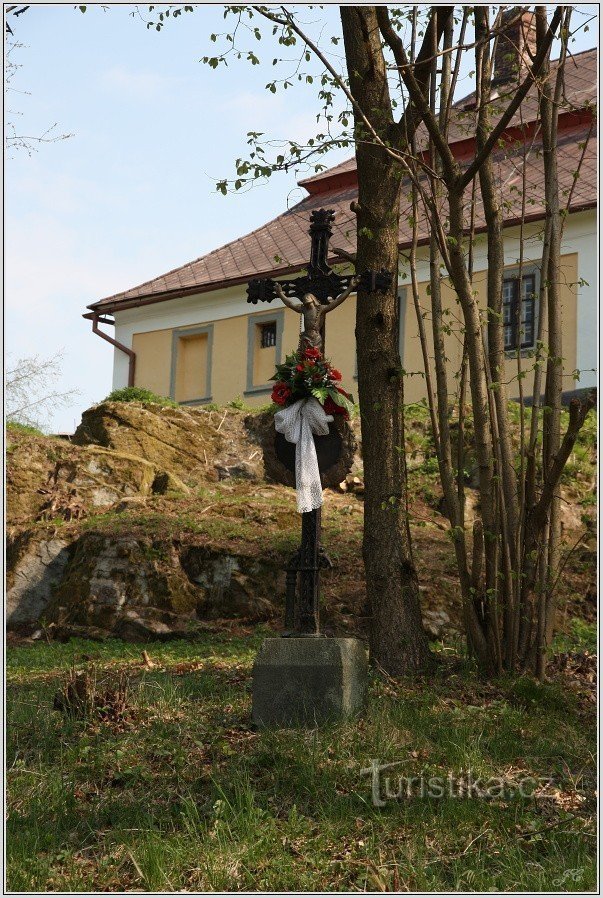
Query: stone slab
x=308 y=681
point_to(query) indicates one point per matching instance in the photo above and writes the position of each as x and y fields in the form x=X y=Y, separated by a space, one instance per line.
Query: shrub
x=139 y=394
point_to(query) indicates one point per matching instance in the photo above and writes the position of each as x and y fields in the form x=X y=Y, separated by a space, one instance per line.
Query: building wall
x=412 y=360
x=238 y=367
x=153 y=360
x=581 y=237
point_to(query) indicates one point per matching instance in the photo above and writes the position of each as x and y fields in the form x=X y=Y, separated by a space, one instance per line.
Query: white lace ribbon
x=297 y=423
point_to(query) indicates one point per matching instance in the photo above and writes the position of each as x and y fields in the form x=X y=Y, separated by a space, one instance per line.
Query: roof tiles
x=285 y=238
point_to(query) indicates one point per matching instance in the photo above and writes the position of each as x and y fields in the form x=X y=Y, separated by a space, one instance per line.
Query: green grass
x=140 y=394
x=185 y=795
x=18 y=427
x=581 y=636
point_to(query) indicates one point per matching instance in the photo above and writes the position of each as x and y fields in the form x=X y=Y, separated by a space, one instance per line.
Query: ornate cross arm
x=261 y=290
x=325 y=287
x=322 y=286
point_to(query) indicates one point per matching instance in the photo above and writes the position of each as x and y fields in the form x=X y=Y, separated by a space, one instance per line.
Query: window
x=519 y=324
x=268 y=335
x=190 y=380
x=264 y=340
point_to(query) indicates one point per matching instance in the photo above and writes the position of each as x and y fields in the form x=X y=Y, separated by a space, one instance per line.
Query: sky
x=132 y=193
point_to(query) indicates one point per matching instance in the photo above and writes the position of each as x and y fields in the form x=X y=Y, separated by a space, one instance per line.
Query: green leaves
x=213 y=61
x=341 y=400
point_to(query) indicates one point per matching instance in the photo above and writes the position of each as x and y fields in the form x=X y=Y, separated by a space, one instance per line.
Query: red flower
x=280 y=393
x=311 y=353
x=299 y=367
x=331 y=407
x=335 y=374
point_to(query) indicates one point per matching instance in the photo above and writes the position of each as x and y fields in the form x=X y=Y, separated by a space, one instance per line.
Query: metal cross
x=320 y=279
x=302 y=607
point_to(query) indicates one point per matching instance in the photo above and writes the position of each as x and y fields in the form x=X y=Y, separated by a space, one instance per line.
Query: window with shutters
x=520 y=312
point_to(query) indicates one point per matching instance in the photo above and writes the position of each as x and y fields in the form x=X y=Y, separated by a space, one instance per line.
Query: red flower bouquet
x=306 y=374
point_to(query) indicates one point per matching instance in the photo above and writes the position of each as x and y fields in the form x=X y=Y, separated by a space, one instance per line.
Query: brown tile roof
x=580 y=91
x=281 y=246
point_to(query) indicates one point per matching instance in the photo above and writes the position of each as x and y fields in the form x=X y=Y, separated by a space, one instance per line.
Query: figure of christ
x=314 y=313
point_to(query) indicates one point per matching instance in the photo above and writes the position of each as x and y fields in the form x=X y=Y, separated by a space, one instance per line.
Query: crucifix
x=312 y=295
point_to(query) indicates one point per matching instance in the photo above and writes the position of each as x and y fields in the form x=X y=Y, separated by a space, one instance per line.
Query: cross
x=320 y=289
x=320 y=286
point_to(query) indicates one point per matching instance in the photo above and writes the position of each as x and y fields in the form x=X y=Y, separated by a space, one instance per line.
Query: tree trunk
x=398 y=643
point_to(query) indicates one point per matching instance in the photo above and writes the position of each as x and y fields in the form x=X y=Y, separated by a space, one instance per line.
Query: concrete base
x=303 y=682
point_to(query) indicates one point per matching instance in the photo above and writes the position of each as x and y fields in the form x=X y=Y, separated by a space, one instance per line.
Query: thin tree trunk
x=554 y=371
x=496 y=264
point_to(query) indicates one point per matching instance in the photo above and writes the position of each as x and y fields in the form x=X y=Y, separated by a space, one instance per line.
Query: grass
x=579 y=635
x=140 y=394
x=185 y=795
x=18 y=427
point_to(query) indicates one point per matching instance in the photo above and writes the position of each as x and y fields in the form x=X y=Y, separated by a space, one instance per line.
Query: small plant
x=237 y=402
x=581 y=637
x=84 y=697
x=140 y=394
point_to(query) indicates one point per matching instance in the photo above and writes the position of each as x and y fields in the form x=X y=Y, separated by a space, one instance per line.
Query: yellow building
x=191 y=334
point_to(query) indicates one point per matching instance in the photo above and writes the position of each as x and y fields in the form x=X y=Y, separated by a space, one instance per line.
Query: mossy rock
x=51 y=479
x=181 y=440
x=35 y=561
x=109 y=578
x=137 y=587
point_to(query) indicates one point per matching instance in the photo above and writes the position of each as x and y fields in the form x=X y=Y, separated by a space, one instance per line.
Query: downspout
x=95 y=318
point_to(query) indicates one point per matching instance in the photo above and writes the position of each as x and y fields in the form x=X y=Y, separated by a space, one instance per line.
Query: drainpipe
x=96 y=318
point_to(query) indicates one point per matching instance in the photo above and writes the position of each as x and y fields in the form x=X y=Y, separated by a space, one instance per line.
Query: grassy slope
x=184 y=795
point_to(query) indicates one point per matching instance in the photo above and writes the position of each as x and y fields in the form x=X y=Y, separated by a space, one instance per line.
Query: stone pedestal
x=304 y=682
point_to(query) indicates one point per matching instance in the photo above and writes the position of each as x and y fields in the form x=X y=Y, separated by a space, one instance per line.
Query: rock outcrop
x=49 y=478
x=37 y=567
x=111 y=581
x=181 y=440
x=197 y=444
x=76 y=578
x=140 y=588
x=158 y=520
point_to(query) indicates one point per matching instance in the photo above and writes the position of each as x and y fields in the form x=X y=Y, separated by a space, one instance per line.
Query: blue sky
x=132 y=193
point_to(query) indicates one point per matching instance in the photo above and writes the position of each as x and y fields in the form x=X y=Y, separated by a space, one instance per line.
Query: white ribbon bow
x=297 y=423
